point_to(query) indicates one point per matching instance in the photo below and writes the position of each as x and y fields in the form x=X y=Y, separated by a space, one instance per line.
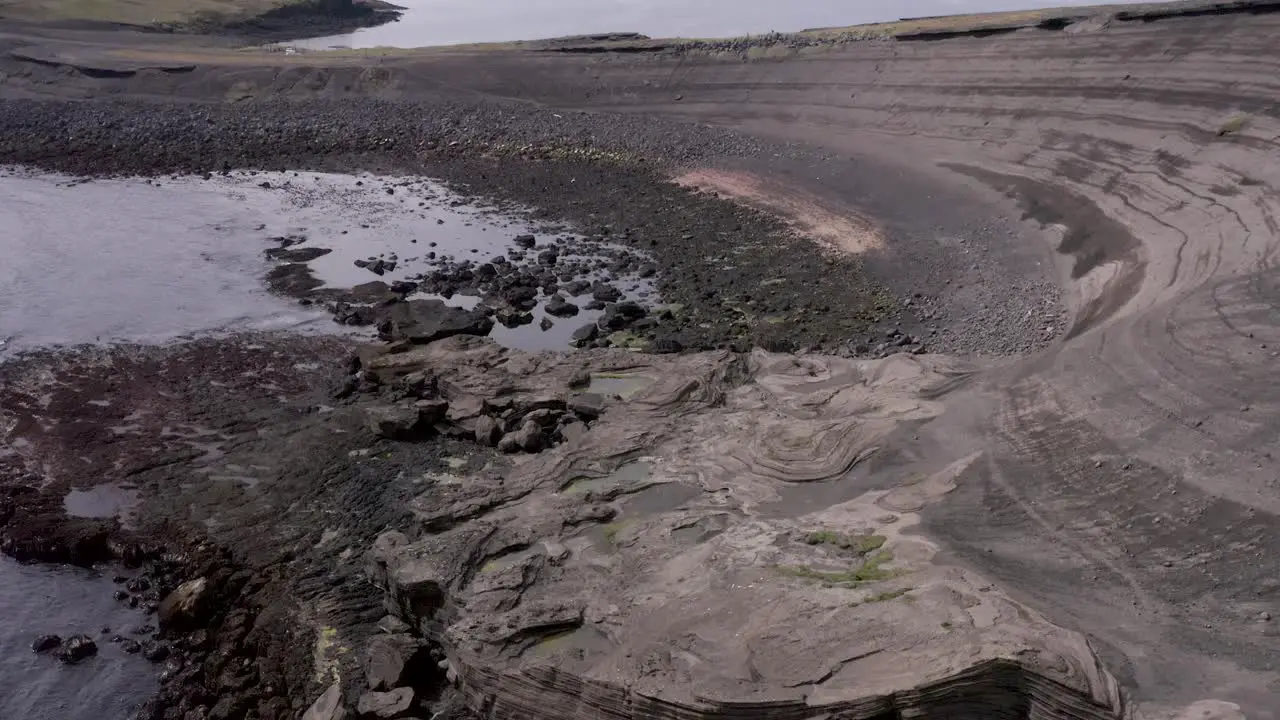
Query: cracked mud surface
x=1093 y=519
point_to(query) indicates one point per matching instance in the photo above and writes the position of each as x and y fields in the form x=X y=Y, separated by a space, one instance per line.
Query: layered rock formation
x=666 y=563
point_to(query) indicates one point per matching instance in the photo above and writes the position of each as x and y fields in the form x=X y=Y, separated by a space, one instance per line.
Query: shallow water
x=358 y=219
x=103 y=501
x=118 y=260
x=447 y=22
x=41 y=599
x=153 y=261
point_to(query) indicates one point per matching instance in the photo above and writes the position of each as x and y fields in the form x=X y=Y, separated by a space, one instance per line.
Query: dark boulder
x=586 y=334
x=559 y=307
x=577 y=287
x=605 y=292
x=45 y=643
x=394 y=660
x=187 y=607
x=424 y=321
x=155 y=651
x=621 y=315
x=76 y=648
x=526 y=241
x=521 y=297
x=396 y=422
x=298 y=255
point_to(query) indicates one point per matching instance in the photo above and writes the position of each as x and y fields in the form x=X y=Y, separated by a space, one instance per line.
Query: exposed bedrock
x=1129 y=488
x=665 y=563
x=724 y=544
x=1128 y=482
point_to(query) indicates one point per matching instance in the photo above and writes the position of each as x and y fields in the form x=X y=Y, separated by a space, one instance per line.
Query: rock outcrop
x=663 y=564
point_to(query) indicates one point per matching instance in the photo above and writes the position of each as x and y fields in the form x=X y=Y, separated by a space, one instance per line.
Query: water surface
x=127 y=260
x=448 y=22
x=41 y=599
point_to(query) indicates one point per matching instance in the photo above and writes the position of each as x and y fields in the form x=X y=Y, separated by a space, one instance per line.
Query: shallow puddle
x=627 y=476
x=624 y=386
x=103 y=501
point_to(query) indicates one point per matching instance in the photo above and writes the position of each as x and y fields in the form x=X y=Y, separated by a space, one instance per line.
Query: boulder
x=529 y=438
x=431 y=412
x=45 y=643
x=604 y=292
x=390 y=660
x=155 y=651
x=397 y=703
x=185 y=607
x=488 y=431
x=393 y=625
x=526 y=241
x=587 y=405
x=398 y=422
x=546 y=324
x=514 y=318
x=620 y=315
x=328 y=706
x=586 y=334
x=299 y=255
x=76 y=648
x=559 y=307
x=424 y=321
x=577 y=287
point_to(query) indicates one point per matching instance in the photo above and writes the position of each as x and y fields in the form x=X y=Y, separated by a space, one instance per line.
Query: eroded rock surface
x=656 y=565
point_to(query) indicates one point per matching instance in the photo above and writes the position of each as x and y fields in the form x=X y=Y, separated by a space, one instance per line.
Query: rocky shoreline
x=330 y=450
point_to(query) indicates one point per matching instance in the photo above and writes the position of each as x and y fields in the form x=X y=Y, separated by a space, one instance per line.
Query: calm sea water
x=446 y=22
x=42 y=599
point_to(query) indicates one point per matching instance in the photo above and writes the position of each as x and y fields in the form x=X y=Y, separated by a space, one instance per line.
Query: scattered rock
x=546 y=324
x=666 y=346
x=133 y=647
x=76 y=648
x=45 y=643
x=385 y=705
x=576 y=287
